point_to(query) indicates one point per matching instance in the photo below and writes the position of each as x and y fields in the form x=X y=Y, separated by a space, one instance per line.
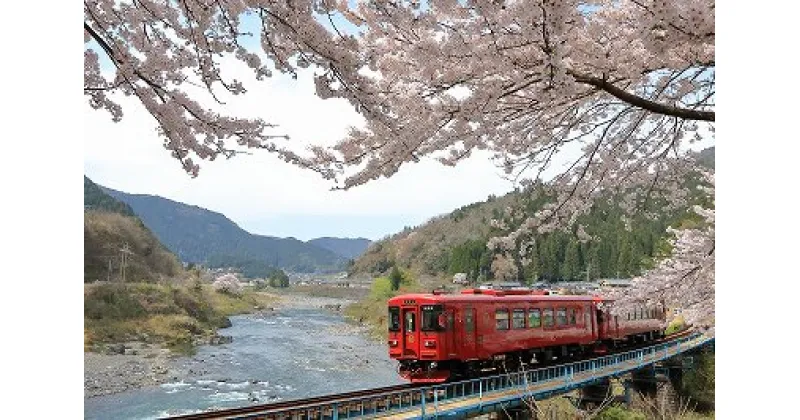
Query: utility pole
x=125 y=251
x=109 y=269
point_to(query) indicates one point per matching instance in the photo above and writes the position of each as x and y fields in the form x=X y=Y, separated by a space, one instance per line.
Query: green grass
x=372 y=310
x=177 y=316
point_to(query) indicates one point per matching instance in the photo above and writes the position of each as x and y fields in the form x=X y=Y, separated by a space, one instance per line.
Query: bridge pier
x=521 y=412
x=657 y=384
x=595 y=394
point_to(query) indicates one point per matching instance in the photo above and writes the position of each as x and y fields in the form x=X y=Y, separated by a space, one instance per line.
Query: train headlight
x=433 y=365
x=430 y=343
x=393 y=343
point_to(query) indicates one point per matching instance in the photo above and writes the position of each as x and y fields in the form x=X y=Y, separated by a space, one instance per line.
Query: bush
x=111 y=301
x=618 y=413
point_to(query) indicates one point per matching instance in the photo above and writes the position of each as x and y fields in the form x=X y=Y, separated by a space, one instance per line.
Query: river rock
x=220 y=339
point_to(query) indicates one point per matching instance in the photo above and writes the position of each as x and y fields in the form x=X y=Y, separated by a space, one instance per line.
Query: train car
x=438 y=337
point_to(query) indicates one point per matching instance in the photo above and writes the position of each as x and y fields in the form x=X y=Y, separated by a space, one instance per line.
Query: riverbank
x=130 y=365
x=293 y=353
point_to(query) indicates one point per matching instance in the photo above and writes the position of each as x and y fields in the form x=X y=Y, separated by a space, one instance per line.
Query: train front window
x=432 y=318
x=410 y=321
x=394 y=318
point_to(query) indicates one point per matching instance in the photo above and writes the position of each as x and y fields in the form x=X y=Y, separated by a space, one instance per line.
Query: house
x=460 y=278
x=614 y=283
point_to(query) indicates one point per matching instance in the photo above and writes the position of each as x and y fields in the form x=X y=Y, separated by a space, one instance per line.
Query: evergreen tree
x=395 y=277
x=571 y=268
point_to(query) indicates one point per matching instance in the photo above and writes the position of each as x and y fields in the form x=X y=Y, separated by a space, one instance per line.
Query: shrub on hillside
x=112 y=301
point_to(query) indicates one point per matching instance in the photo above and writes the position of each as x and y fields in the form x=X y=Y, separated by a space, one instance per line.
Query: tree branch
x=688 y=114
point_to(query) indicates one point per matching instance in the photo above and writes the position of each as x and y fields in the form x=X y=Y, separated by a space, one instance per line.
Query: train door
x=450 y=332
x=468 y=332
x=410 y=332
x=601 y=324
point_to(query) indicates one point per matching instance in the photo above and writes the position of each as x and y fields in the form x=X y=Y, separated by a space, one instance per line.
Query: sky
x=267 y=196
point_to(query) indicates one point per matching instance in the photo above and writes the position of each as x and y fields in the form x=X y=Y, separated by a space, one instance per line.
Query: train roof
x=472 y=295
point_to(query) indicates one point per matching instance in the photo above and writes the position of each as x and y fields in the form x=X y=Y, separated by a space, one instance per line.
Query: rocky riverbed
x=128 y=366
x=294 y=351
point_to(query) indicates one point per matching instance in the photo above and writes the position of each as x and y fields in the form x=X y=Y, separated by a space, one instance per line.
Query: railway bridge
x=468 y=398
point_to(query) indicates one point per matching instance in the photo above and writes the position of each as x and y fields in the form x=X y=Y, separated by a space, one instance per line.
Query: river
x=296 y=353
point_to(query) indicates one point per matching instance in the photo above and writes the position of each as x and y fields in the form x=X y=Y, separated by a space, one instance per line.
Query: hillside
x=198 y=235
x=95 y=199
x=108 y=226
x=349 y=248
x=105 y=234
x=427 y=248
x=456 y=242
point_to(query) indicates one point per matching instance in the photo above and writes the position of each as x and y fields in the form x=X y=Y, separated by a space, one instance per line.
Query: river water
x=297 y=353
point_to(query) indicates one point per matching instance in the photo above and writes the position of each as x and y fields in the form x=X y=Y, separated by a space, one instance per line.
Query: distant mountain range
x=346 y=247
x=198 y=235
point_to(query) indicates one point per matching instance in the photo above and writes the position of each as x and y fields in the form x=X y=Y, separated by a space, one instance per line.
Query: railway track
x=264 y=410
x=322 y=406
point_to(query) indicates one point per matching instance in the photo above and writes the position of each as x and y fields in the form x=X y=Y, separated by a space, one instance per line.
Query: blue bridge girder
x=488 y=394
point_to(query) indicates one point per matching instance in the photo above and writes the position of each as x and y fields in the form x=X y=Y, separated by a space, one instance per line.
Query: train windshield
x=432 y=318
x=394 y=318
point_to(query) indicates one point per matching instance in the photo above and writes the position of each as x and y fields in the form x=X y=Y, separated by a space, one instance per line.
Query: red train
x=439 y=337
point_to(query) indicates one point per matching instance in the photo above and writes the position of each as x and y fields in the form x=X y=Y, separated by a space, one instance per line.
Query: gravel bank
x=141 y=365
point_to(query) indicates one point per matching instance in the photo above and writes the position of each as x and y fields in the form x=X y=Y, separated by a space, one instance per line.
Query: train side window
x=573 y=317
x=469 y=323
x=561 y=316
x=518 y=319
x=641 y=313
x=501 y=319
x=548 y=317
x=534 y=318
x=394 y=318
x=629 y=316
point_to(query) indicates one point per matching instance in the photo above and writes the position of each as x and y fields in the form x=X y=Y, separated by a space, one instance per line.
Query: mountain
x=109 y=226
x=95 y=199
x=348 y=248
x=198 y=235
x=456 y=242
x=706 y=157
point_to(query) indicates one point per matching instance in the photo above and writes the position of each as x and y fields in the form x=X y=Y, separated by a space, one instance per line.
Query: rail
x=465 y=397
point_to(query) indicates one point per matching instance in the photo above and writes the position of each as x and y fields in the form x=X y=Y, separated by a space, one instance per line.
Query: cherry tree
x=167 y=55
x=685 y=279
x=619 y=88
x=228 y=283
